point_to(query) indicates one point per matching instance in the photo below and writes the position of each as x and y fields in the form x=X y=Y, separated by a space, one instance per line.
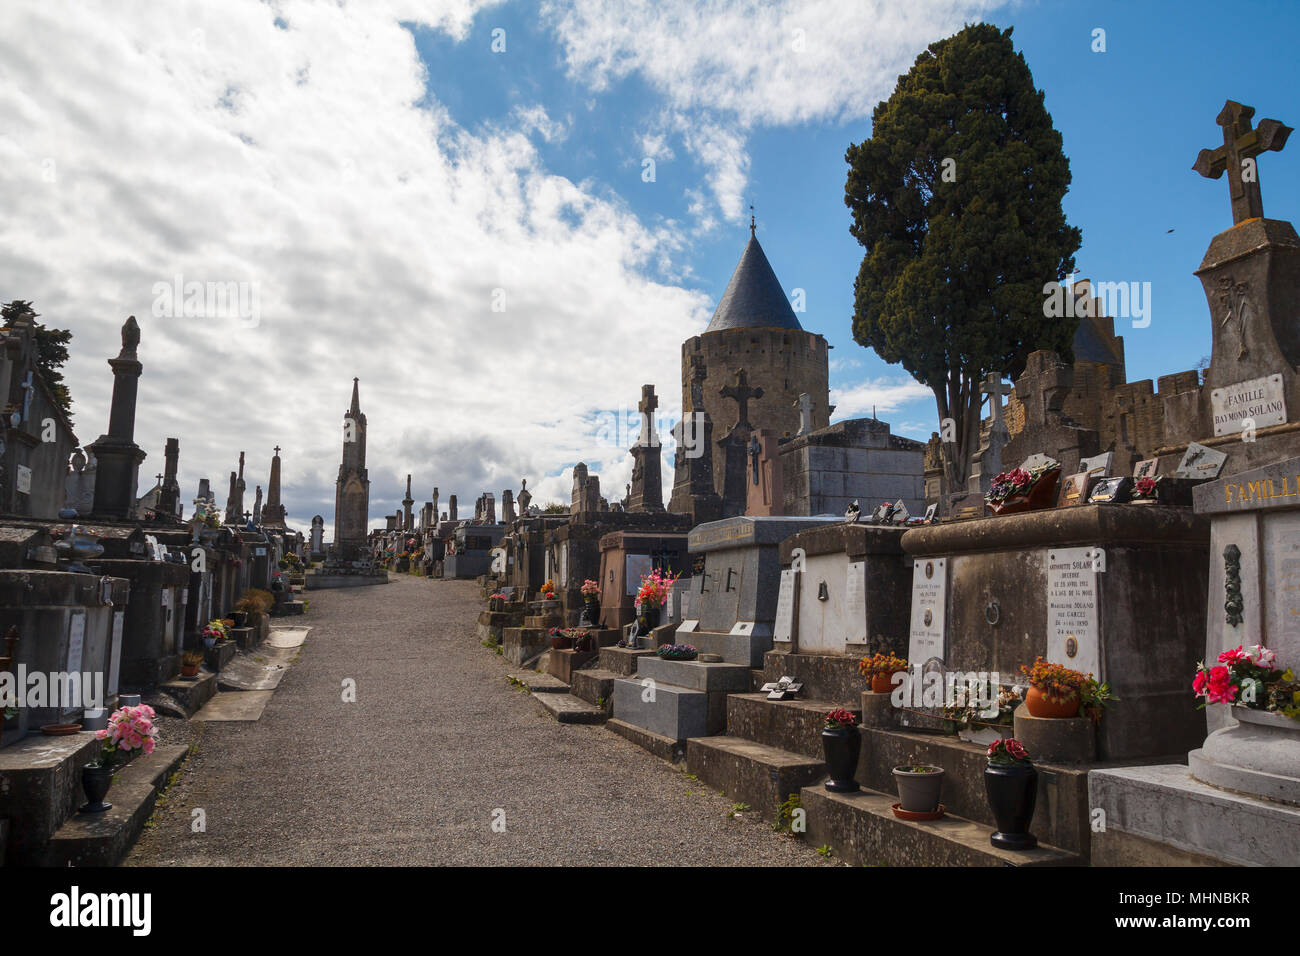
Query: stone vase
x=590 y=612
x=648 y=621
x=1012 y=790
x=95 y=782
x=841 y=746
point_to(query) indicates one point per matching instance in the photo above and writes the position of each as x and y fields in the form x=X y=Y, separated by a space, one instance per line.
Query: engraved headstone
x=1200 y=462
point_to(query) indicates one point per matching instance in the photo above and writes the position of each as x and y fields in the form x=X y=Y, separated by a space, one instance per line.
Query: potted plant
x=1053 y=689
x=919 y=786
x=213 y=632
x=879 y=670
x=1024 y=490
x=651 y=597
x=841 y=742
x=130 y=731
x=974 y=724
x=1243 y=678
x=590 y=603
x=191 y=661
x=581 y=638
x=1011 y=782
x=677 y=652
x=560 y=639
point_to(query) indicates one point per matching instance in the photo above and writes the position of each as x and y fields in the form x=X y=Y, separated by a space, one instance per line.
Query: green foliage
x=825 y=850
x=554 y=508
x=957 y=199
x=51 y=350
x=785 y=814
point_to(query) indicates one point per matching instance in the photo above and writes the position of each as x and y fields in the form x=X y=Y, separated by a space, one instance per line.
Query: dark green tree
x=51 y=350
x=957 y=199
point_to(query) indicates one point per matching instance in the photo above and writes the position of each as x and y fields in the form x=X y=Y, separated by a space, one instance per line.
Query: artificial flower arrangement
x=655 y=588
x=1008 y=751
x=496 y=597
x=839 y=717
x=590 y=589
x=677 y=652
x=130 y=731
x=883 y=664
x=215 y=631
x=1249 y=678
x=1145 y=488
x=1017 y=481
x=966 y=715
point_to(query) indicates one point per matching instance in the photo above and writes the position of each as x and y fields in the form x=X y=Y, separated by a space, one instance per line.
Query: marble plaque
x=855 y=603
x=1146 y=468
x=23 y=480
x=783 y=629
x=1258 y=400
x=1098 y=464
x=1039 y=461
x=1200 y=462
x=1072 y=612
x=927 y=636
x=76 y=642
x=115 y=654
x=1075 y=489
x=636 y=566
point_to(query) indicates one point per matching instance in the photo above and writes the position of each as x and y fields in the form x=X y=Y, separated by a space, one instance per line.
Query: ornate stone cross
x=1236 y=157
x=649 y=402
x=993 y=387
x=741 y=393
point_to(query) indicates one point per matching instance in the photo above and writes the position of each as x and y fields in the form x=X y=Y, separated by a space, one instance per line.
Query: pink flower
x=1233 y=657
x=1200 y=683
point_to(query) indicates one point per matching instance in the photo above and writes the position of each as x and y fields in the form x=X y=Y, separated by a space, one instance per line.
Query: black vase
x=590 y=613
x=95 y=781
x=648 y=621
x=841 y=745
x=1013 y=791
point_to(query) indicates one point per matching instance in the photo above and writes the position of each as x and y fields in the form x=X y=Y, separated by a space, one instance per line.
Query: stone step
x=563 y=664
x=663 y=747
x=695 y=675
x=193 y=693
x=794 y=725
x=750 y=772
x=288 y=609
x=667 y=709
x=746 y=649
x=521 y=644
x=539 y=683
x=621 y=660
x=102 y=839
x=595 y=687
x=40 y=788
x=568 y=709
x=862 y=830
x=217 y=657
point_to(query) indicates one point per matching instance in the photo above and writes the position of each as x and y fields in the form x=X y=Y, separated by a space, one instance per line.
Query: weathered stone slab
x=236 y=705
x=674 y=712
x=750 y=772
x=793 y=725
x=694 y=675
x=568 y=709
x=665 y=748
x=245 y=673
x=1260 y=489
x=40 y=780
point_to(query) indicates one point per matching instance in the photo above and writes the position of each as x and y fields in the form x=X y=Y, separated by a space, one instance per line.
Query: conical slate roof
x=754 y=298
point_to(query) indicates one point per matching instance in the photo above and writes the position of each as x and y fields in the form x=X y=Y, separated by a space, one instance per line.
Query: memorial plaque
x=900 y=513
x=635 y=566
x=1261 y=401
x=926 y=637
x=783 y=628
x=855 y=603
x=931 y=513
x=1072 y=613
x=1111 y=491
x=1098 y=464
x=1146 y=468
x=115 y=654
x=1200 y=462
x=1039 y=461
x=76 y=644
x=1076 y=489
x=23 y=480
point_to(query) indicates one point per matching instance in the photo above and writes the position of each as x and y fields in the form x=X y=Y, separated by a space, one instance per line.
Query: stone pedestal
x=1259 y=756
x=1059 y=740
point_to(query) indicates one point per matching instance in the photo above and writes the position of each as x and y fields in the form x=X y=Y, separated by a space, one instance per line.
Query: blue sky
x=379 y=181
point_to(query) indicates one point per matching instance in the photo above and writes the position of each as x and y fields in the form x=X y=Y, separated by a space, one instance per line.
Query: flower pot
x=1012 y=789
x=841 y=746
x=919 y=792
x=95 y=781
x=882 y=683
x=561 y=643
x=1039 y=706
x=590 y=613
x=1042 y=494
x=189 y=670
x=209 y=643
x=240 y=618
x=648 y=621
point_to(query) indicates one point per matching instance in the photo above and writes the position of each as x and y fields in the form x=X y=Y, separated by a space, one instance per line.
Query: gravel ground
x=437 y=744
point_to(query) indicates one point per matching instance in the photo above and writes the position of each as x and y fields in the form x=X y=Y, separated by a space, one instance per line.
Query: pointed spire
x=356 y=398
x=754 y=298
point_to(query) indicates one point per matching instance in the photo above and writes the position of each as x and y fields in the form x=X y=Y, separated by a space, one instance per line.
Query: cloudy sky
x=504 y=217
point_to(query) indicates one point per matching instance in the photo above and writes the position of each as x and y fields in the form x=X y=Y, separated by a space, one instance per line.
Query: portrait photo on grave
x=844 y=435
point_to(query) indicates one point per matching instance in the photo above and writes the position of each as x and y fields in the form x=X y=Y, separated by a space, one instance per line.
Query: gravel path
x=435 y=744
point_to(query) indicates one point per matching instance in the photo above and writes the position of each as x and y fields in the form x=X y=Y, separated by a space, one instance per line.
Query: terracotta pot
x=189 y=670
x=1040 y=706
x=882 y=683
x=561 y=643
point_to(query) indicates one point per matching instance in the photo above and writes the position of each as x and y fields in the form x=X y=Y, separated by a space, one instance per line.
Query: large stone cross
x=277 y=449
x=1236 y=156
x=993 y=387
x=805 y=407
x=649 y=402
x=741 y=393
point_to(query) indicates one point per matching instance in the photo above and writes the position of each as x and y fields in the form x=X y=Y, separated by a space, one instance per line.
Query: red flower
x=1233 y=657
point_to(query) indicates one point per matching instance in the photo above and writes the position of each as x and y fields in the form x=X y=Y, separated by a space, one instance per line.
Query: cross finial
x=752 y=224
x=277 y=449
x=1236 y=157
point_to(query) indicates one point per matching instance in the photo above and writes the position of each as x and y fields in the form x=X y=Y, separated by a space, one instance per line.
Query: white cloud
x=883 y=395
x=729 y=66
x=213 y=143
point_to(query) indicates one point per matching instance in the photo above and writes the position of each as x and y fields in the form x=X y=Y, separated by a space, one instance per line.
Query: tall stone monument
x=647 y=492
x=352 y=488
x=735 y=445
x=273 y=513
x=116 y=454
x=169 y=491
x=408 y=521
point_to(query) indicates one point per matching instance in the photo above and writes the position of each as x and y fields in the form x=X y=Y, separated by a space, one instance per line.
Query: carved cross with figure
x=1236 y=157
x=741 y=393
x=649 y=402
x=993 y=387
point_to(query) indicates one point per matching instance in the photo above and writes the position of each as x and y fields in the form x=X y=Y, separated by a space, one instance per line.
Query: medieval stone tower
x=755 y=329
x=352 y=491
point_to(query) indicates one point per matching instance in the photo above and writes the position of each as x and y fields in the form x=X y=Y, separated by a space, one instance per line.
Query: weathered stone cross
x=277 y=449
x=805 y=413
x=741 y=393
x=1236 y=156
x=992 y=387
x=649 y=402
